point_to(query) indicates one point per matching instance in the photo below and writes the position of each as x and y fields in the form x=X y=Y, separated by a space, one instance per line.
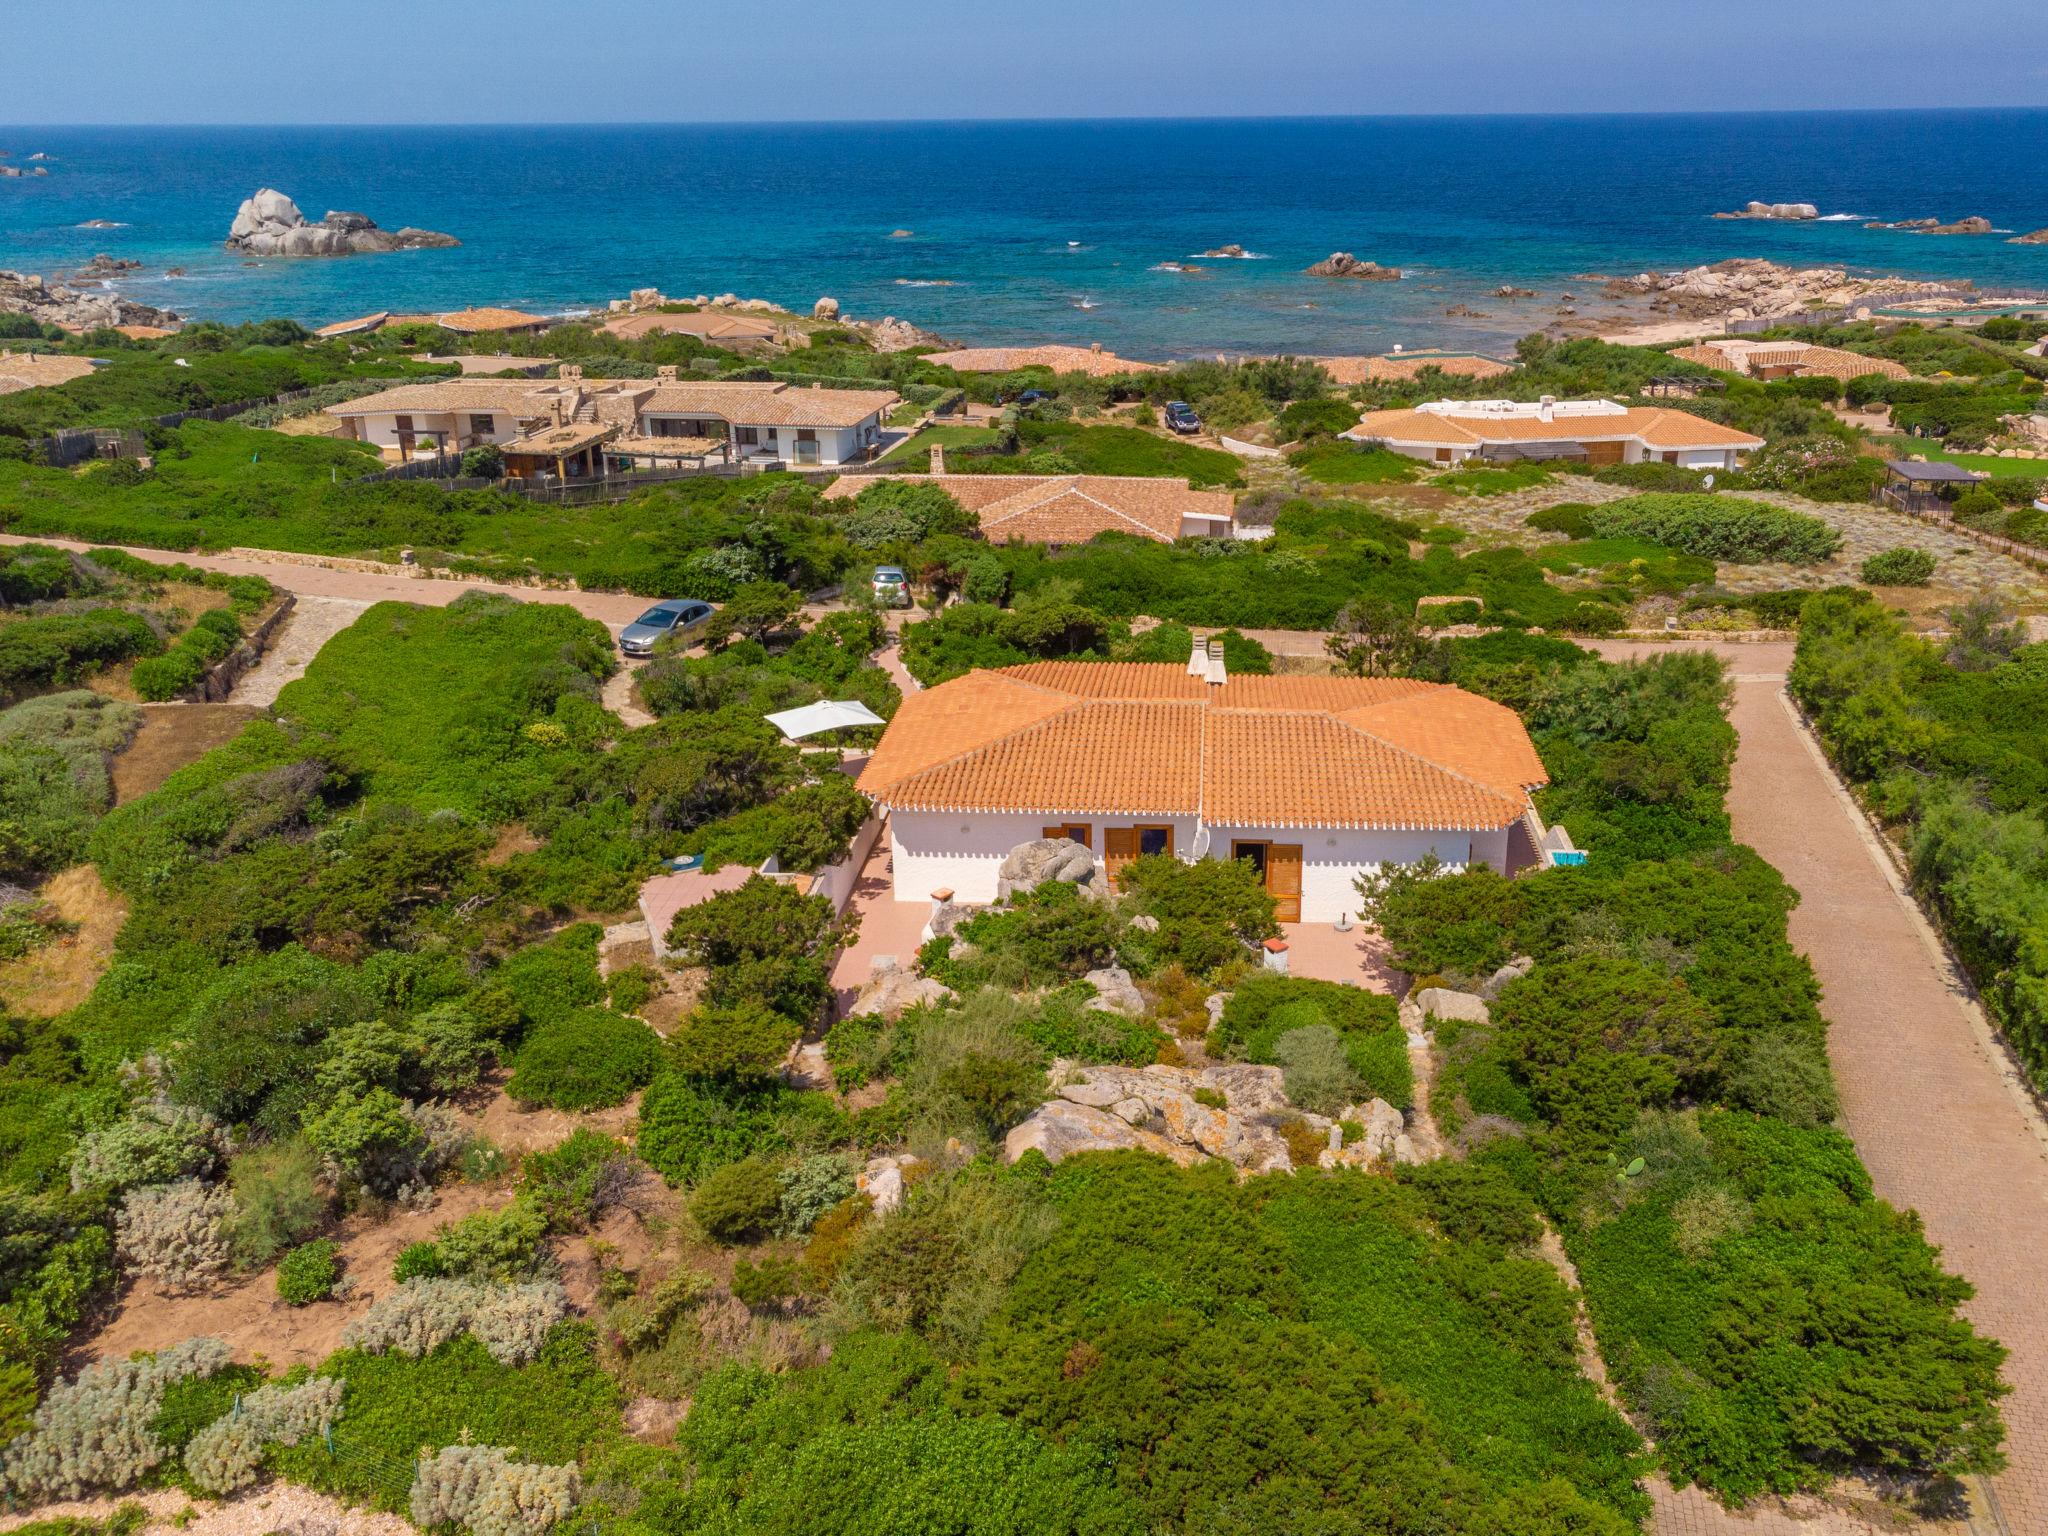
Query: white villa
x=570 y=426
x=1314 y=780
x=1585 y=431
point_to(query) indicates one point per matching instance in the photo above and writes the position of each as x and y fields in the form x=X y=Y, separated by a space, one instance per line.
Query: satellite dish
x=1201 y=843
x=1707 y=483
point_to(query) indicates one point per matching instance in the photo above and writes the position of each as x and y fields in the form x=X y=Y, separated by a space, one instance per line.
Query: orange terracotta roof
x=1400 y=367
x=1094 y=738
x=706 y=324
x=1089 y=360
x=1069 y=509
x=1745 y=357
x=1654 y=426
x=489 y=318
x=355 y=327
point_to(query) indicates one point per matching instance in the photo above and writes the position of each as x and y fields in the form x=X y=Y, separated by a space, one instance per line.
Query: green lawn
x=1336 y=462
x=1981 y=463
x=916 y=451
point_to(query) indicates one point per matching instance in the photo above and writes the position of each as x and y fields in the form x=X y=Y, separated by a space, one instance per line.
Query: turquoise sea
x=1040 y=230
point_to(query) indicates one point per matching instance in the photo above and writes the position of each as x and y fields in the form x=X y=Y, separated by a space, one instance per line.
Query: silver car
x=676 y=616
x=891 y=586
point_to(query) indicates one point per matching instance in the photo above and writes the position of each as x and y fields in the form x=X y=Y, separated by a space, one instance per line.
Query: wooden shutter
x=1283 y=881
x=1119 y=847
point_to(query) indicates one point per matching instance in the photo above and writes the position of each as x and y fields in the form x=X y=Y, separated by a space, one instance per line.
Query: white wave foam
x=1841 y=218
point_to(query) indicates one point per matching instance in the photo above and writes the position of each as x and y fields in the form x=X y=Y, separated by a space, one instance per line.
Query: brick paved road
x=1932 y=1103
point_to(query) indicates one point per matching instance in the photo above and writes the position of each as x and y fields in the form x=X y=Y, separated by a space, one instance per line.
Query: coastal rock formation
x=1790 y=211
x=825 y=309
x=54 y=304
x=270 y=224
x=1443 y=1003
x=1155 y=1109
x=1344 y=264
x=15 y=170
x=2032 y=237
x=1509 y=291
x=1765 y=288
x=891 y=991
x=1231 y=252
x=899 y=234
x=1973 y=225
x=889 y=334
x=104 y=266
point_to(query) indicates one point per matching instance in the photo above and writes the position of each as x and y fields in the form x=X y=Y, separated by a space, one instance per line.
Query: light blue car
x=677 y=616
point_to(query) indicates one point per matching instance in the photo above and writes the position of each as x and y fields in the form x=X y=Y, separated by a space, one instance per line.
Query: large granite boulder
x=825 y=309
x=1344 y=264
x=1443 y=1003
x=270 y=224
x=1030 y=865
x=1791 y=212
x=890 y=991
x=1514 y=970
x=1231 y=1113
x=1115 y=992
x=2032 y=237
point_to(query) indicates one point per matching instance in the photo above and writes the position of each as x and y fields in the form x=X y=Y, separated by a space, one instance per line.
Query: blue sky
x=400 y=61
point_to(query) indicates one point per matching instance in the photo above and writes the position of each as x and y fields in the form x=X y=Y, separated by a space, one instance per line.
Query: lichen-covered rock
x=1030 y=865
x=1514 y=970
x=1443 y=1003
x=1060 y=1129
x=892 y=991
x=1115 y=992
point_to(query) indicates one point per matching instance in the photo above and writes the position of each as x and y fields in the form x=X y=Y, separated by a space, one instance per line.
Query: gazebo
x=1925 y=485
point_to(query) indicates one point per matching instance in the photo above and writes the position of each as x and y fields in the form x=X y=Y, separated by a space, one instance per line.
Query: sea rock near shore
x=1765 y=288
x=2032 y=237
x=1231 y=252
x=1973 y=225
x=1344 y=264
x=24 y=293
x=1794 y=212
x=104 y=266
x=825 y=309
x=270 y=224
x=889 y=334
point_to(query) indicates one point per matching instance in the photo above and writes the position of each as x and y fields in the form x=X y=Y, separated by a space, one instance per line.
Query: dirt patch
x=172 y=736
x=517 y=1130
x=247 y=1312
x=513 y=840
x=278 y=1507
x=62 y=974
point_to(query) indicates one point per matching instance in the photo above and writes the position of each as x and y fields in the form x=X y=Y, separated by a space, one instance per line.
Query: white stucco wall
x=963 y=852
x=836 y=445
x=452 y=427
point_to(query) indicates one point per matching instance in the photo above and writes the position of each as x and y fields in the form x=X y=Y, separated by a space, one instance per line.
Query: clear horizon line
x=999 y=120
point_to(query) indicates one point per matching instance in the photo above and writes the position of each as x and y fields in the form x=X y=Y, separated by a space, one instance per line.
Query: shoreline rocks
x=25 y=293
x=104 y=266
x=1231 y=252
x=270 y=224
x=1344 y=264
x=1766 y=288
x=1788 y=212
x=2032 y=237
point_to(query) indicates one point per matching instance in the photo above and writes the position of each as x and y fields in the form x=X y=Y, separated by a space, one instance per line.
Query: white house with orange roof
x=1586 y=431
x=1072 y=509
x=1313 y=780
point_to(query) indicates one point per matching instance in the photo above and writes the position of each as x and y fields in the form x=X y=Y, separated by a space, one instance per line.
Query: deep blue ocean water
x=1044 y=230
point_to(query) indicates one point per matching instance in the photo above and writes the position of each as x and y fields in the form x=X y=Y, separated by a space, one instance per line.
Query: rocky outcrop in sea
x=1973 y=225
x=1765 y=288
x=270 y=224
x=1790 y=212
x=1344 y=264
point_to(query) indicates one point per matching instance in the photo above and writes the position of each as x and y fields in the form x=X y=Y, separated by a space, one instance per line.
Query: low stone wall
x=219 y=682
x=397 y=568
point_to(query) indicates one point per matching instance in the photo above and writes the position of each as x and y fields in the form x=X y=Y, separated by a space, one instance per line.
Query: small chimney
x=938 y=458
x=1217 y=675
x=1546 y=408
x=1205 y=660
x=570 y=371
x=665 y=374
x=816 y=385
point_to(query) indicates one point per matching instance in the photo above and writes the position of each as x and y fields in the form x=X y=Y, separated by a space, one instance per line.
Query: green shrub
x=588 y=1059
x=1898 y=568
x=278 y=1202
x=1718 y=527
x=308 y=1273
x=1573 y=519
x=738 y=1202
x=1315 y=1069
x=50 y=650
x=1648 y=476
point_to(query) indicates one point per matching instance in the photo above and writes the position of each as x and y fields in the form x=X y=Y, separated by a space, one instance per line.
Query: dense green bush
x=1264 y=1007
x=1898 y=568
x=212 y=636
x=587 y=1059
x=54 y=783
x=738 y=1201
x=1719 y=527
x=52 y=649
x=308 y=1273
x=1573 y=519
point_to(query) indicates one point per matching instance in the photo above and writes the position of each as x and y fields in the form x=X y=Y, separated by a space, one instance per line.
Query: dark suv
x=1181 y=417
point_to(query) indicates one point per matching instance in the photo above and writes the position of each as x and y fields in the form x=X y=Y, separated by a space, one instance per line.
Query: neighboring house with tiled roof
x=1786 y=359
x=704 y=324
x=1092 y=360
x=362 y=325
x=1403 y=367
x=472 y=322
x=1072 y=509
x=1316 y=780
x=655 y=420
x=39 y=370
x=1585 y=431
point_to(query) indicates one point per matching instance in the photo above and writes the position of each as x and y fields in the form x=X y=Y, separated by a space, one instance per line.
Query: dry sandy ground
x=62 y=974
x=279 y=1507
x=172 y=736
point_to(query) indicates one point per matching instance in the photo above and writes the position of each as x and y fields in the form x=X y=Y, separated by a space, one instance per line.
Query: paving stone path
x=1937 y=1110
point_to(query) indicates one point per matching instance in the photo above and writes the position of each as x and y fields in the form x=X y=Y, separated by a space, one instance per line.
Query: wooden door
x=1283 y=880
x=1119 y=847
x=1605 y=453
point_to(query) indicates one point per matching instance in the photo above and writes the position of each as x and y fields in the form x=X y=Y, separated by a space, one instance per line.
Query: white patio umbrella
x=825 y=715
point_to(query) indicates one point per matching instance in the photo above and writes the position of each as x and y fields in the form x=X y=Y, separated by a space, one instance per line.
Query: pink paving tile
x=1358 y=958
x=887 y=926
x=665 y=895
